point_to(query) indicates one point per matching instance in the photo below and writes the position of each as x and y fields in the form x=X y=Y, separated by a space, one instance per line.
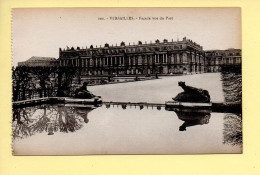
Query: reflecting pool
x=79 y=130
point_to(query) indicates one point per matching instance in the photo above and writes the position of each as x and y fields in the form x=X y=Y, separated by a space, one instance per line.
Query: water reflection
x=21 y=122
x=50 y=119
x=233 y=129
x=192 y=117
x=83 y=112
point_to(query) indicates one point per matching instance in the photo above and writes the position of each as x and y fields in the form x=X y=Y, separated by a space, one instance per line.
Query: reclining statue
x=82 y=92
x=192 y=94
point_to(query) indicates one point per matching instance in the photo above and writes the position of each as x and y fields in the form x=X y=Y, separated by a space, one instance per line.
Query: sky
x=42 y=31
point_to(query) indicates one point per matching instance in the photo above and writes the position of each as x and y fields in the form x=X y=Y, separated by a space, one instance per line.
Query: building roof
x=225 y=50
x=157 y=43
x=37 y=58
x=36 y=61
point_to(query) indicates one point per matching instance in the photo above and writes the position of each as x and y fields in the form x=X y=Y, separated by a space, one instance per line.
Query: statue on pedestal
x=192 y=94
x=82 y=92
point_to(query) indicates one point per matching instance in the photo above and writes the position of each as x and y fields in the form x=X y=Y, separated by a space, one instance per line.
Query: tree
x=43 y=75
x=65 y=77
x=21 y=80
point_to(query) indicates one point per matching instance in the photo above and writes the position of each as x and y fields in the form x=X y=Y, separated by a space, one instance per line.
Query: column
x=129 y=60
x=163 y=58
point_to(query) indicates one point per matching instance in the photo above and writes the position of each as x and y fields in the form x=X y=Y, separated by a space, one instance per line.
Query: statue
x=192 y=94
x=82 y=92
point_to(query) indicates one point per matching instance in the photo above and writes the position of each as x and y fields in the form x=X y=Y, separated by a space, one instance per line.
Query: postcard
x=98 y=81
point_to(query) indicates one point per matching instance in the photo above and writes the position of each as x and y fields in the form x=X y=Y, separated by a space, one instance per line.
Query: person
x=82 y=92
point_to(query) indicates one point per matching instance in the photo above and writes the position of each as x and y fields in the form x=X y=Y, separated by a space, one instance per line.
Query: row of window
x=131 y=60
x=118 y=51
x=224 y=54
x=226 y=61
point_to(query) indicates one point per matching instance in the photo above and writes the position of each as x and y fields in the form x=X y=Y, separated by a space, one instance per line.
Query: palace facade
x=218 y=58
x=166 y=57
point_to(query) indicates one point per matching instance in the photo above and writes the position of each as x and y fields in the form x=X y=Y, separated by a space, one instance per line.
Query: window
x=175 y=59
x=181 y=58
x=105 y=61
x=238 y=60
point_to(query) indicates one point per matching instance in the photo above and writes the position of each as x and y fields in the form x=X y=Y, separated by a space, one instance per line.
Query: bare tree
x=43 y=75
x=65 y=77
x=21 y=80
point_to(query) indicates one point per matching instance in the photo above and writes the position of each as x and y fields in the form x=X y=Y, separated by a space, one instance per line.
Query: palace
x=218 y=58
x=166 y=57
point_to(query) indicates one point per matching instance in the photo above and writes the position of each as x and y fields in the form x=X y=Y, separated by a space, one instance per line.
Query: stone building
x=39 y=62
x=166 y=57
x=217 y=58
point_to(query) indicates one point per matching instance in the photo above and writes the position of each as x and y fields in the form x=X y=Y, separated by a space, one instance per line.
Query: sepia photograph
x=126 y=81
